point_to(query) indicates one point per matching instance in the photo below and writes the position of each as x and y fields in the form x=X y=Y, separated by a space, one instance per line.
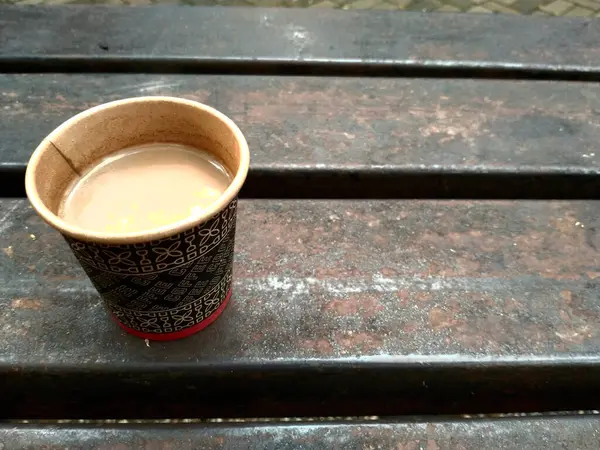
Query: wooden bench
x=579 y=433
x=421 y=241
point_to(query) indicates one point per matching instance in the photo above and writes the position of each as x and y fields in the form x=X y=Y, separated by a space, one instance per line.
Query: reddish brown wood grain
x=503 y=295
x=567 y=433
x=341 y=279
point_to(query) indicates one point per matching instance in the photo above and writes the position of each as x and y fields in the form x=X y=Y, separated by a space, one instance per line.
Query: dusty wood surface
x=464 y=301
x=296 y=122
x=355 y=137
x=549 y=433
x=341 y=307
x=300 y=35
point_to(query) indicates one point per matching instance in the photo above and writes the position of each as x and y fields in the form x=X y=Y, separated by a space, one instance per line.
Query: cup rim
x=141 y=236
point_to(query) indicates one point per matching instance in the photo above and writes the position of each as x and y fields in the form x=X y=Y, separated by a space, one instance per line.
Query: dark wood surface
x=475 y=306
x=379 y=307
x=224 y=37
x=355 y=137
x=548 y=433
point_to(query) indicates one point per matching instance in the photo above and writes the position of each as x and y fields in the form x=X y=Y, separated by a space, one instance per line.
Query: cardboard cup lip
x=156 y=233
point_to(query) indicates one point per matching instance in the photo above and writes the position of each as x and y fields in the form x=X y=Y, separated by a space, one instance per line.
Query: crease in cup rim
x=154 y=233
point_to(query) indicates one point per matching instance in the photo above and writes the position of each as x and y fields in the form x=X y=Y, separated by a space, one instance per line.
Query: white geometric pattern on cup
x=179 y=318
x=156 y=291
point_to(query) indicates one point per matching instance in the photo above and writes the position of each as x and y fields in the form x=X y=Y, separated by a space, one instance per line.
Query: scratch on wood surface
x=6 y=214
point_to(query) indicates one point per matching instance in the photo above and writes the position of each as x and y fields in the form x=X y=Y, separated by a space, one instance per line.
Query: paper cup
x=169 y=282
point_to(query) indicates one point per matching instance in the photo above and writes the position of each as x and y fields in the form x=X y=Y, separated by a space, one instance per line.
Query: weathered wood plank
x=356 y=137
x=475 y=306
x=286 y=41
x=544 y=433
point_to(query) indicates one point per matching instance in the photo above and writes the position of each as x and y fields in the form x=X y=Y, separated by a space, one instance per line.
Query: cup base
x=178 y=334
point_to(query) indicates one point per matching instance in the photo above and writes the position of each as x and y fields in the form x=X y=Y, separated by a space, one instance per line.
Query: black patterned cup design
x=162 y=284
x=168 y=288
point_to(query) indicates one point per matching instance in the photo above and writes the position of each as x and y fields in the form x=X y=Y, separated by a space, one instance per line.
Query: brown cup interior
x=95 y=134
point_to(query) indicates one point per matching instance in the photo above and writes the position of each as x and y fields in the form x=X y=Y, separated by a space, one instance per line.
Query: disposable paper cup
x=169 y=282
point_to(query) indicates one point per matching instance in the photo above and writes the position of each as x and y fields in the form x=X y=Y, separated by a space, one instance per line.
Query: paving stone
x=557 y=7
x=393 y=6
x=590 y=4
x=424 y=5
x=497 y=7
x=580 y=12
x=584 y=8
x=525 y=6
x=362 y=4
x=325 y=4
x=462 y=5
x=397 y=4
x=479 y=9
x=267 y=3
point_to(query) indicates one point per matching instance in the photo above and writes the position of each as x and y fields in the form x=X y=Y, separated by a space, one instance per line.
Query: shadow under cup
x=169 y=282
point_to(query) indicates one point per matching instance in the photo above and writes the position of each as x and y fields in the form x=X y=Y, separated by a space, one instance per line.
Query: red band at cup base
x=178 y=334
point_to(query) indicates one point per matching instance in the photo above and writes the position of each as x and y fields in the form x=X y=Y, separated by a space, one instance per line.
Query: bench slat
x=355 y=137
x=475 y=306
x=241 y=39
x=544 y=433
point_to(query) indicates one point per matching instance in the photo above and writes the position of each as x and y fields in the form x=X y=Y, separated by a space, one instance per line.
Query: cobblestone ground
x=583 y=8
